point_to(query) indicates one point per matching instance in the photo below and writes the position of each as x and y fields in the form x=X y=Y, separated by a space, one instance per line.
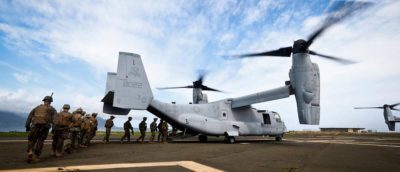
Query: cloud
x=176 y=39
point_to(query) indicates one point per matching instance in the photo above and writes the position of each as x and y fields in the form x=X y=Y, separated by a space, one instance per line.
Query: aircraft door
x=267 y=127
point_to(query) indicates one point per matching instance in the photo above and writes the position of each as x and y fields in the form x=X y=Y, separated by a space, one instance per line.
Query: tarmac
x=293 y=154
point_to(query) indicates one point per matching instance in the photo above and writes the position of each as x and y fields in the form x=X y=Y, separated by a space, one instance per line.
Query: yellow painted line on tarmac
x=191 y=165
x=345 y=143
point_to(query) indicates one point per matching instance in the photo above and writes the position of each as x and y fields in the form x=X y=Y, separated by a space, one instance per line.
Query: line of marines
x=76 y=130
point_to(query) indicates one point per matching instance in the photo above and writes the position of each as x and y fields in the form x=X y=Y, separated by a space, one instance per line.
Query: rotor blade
x=337 y=59
x=165 y=88
x=282 y=52
x=343 y=9
x=368 y=107
x=394 y=105
x=205 y=88
x=395 y=109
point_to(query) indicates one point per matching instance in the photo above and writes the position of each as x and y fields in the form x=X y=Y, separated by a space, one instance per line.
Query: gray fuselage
x=219 y=119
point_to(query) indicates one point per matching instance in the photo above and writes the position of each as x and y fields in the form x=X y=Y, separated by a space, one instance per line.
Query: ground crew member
x=159 y=130
x=75 y=128
x=108 y=125
x=164 y=128
x=127 y=127
x=61 y=130
x=93 y=130
x=86 y=127
x=38 y=124
x=153 y=129
x=142 y=128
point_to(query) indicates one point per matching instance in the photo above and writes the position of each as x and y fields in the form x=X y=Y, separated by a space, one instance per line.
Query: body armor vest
x=64 y=119
x=77 y=120
x=42 y=115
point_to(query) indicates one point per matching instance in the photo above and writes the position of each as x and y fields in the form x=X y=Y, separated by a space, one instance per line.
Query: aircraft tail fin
x=129 y=88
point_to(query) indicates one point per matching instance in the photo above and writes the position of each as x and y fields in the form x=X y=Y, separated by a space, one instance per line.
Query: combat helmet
x=112 y=116
x=48 y=98
x=94 y=114
x=144 y=118
x=129 y=117
x=66 y=106
x=79 y=110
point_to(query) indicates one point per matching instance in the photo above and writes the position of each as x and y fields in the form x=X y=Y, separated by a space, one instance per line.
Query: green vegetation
x=13 y=134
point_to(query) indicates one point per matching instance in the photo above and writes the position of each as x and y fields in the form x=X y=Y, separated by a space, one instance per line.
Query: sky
x=67 y=47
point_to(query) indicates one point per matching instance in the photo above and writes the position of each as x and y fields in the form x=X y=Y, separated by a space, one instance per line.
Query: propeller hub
x=300 y=46
x=197 y=84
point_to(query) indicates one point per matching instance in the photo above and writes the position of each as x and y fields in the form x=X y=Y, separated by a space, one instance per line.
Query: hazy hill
x=10 y=121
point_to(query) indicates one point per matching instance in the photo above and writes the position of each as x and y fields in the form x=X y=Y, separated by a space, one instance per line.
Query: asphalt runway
x=294 y=154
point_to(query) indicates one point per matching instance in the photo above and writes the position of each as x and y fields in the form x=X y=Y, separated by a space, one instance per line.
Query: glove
x=28 y=129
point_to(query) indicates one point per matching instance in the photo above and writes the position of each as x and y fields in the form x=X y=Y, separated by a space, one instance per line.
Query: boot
x=58 y=154
x=30 y=157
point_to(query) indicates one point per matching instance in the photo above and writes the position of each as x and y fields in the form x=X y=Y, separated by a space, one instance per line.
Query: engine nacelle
x=305 y=81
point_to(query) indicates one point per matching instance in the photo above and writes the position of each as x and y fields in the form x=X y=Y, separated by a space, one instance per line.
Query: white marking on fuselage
x=185 y=164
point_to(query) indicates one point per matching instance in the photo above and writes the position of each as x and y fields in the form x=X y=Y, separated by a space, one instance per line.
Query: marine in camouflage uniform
x=153 y=129
x=86 y=132
x=108 y=125
x=127 y=127
x=159 y=137
x=61 y=130
x=93 y=130
x=75 y=128
x=164 y=128
x=38 y=124
x=142 y=128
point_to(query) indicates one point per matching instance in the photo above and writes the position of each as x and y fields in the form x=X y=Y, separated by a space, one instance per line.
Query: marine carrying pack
x=108 y=124
x=42 y=115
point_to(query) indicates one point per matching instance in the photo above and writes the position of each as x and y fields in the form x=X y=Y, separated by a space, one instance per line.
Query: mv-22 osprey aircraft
x=129 y=89
x=390 y=119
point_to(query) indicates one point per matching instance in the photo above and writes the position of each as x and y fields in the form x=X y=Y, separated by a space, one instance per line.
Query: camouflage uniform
x=109 y=123
x=75 y=128
x=159 y=130
x=38 y=124
x=142 y=128
x=164 y=127
x=127 y=127
x=61 y=130
x=94 y=126
x=86 y=132
x=153 y=129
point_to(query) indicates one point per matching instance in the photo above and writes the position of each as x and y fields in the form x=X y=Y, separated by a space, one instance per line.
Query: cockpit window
x=277 y=117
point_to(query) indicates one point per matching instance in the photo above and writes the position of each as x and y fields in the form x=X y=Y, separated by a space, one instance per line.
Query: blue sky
x=67 y=47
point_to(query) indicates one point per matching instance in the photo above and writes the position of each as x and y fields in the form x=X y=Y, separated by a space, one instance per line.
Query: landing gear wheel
x=203 y=138
x=231 y=140
x=278 y=138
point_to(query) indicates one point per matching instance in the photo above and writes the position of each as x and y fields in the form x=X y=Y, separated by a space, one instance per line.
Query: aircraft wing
x=264 y=96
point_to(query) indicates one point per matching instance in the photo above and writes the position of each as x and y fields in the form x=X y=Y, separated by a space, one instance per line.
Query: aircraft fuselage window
x=267 y=119
x=224 y=116
x=277 y=118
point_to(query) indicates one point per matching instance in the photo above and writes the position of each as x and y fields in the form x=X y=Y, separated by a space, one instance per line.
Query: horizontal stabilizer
x=109 y=109
x=108 y=98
